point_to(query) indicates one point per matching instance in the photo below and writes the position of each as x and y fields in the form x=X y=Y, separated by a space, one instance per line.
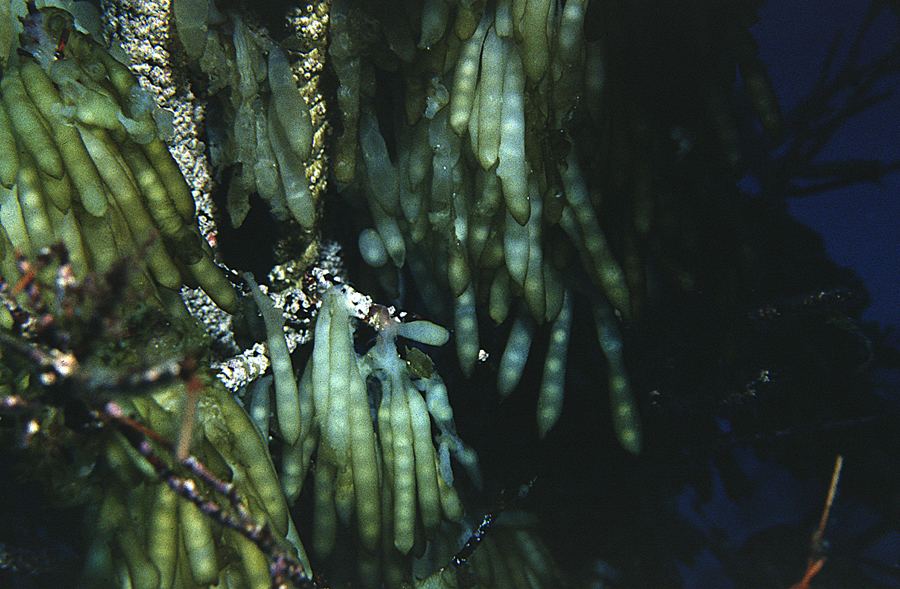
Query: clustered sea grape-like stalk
x=516 y=156
x=82 y=160
x=97 y=343
x=275 y=141
x=477 y=200
x=482 y=186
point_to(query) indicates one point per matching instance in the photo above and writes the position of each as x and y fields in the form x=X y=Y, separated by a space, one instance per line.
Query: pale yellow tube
x=389 y=230
x=198 y=541
x=550 y=399
x=493 y=58
x=161 y=160
x=458 y=274
x=424 y=332
x=445 y=168
x=450 y=503
x=74 y=155
x=9 y=158
x=324 y=516
x=465 y=80
x=466 y=324
x=474 y=118
x=297 y=196
x=66 y=229
x=420 y=156
x=99 y=239
x=384 y=183
x=210 y=278
x=554 y=290
x=345 y=494
x=435 y=15
x=166 y=217
x=97 y=108
x=293 y=469
x=607 y=269
x=517 y=13
x=32 y=205
x=336 y=428
x=570 y=37
x=28 y=124
x=482 y=210
x=498 y=300
x=256 y=566
x=364 y=462
x=512 y=363
x=404 y=470
x=516 y=244
x=250 y=450
x=162 y=545
x=57 y=191
x=305 y=394
x=426 y=474
x=141 y=571
x=626 y=422
x=513 y=170
x=118 y=73
x=535 y=46
x=534 y=277
x=321 y=357
x=503 y=19
x=13 y=224
x=290 y=107
x=287 y=400
x=386 y=445
x=100 y=147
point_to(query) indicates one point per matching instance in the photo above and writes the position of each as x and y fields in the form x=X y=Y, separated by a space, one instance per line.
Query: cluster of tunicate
x=509 y=155
x=377 y=428
x=367 y=421
x=123 y=357
x=83 y=161
x=465 y=183
x=146 y=536
x=273 y=131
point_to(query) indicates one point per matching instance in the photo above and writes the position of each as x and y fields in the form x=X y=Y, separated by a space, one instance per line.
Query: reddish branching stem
x=818 y=544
